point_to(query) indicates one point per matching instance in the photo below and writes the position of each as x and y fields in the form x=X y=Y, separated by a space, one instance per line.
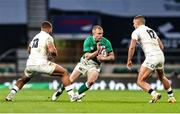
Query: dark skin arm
x=52 y=50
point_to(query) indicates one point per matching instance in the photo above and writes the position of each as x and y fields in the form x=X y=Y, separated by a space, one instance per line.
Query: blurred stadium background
x=72 y=21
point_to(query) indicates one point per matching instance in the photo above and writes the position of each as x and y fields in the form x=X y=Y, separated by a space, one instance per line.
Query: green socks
x=83 y=88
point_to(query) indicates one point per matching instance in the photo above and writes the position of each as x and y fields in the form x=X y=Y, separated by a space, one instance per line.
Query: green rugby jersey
x=90 y=46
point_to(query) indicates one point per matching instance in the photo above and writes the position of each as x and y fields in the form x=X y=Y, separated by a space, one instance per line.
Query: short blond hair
x=141 y=19
x=96 y=27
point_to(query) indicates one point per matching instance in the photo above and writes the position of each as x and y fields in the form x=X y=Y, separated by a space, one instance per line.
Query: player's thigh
x=30 y=71
x=144 y=73
x=82 y=68
x=92 y=75
x=150 y=63
x=160 y=73
x=74 y=75
x=27 y=75
x=154 y=62
x=46 y=68
x=160 y=60
x=58 y=70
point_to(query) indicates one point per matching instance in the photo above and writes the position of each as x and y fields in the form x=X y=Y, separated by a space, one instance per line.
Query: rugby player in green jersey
x=97 y=49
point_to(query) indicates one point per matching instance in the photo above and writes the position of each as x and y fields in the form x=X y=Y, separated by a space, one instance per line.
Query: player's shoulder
x=144 y=27
x=45 y=35
x=139 y=29
x=89 y=39
x=104 y=39
x=150 y=28
x=135 y=31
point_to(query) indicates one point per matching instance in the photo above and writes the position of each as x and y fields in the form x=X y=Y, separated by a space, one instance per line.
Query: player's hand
x=98 y=46
x=129 y=64
x=50 y=58
x=54 y=55
x=101 y=58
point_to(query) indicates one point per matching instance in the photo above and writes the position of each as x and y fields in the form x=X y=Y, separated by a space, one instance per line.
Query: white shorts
x=46 y=68
x=82 y=68
x=154 y=62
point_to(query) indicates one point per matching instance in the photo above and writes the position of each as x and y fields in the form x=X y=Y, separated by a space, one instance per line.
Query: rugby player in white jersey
x=154 y=58
x=41 y=50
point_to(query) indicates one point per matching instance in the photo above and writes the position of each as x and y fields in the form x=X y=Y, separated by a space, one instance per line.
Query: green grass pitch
x=36 y=101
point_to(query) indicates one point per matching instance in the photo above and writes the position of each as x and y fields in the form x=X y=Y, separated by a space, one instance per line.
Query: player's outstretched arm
x=131 y=51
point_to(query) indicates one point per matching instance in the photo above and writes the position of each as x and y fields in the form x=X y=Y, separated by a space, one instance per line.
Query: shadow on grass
x=48 y=100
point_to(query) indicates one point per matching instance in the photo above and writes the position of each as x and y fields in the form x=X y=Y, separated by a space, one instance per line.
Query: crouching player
x=97 y=49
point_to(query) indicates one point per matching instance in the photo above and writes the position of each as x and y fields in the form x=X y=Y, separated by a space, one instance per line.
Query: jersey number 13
x=35 y=43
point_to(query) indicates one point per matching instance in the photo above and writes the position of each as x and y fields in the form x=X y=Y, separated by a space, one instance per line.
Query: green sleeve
x=86 y=46
x=109 y=46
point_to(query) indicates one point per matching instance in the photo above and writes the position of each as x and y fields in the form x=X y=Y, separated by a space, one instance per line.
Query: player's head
x=138 y=20
x=97 y=32
x=46 y=26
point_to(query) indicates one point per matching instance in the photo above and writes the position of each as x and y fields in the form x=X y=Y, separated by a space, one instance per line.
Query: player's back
x=38 y=54
x=148 y=39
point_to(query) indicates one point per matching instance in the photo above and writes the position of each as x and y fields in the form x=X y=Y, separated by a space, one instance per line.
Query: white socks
x=69 y=90
x=14 y=90
x=153 y=93
x=170 y=92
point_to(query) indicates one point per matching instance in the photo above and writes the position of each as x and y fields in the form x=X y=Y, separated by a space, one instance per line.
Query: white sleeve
x=134 y=35
x=50 y=40
x=156 y=36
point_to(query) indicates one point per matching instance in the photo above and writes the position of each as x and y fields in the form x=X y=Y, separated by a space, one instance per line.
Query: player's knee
x=161 y=78
x=90 y=83
x=64 y=72
x=140 y=81
x=24 y=80
x=71 y=79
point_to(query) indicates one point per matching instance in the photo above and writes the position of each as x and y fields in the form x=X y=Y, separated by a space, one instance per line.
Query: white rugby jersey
x=147 y=38
x=39 y=52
